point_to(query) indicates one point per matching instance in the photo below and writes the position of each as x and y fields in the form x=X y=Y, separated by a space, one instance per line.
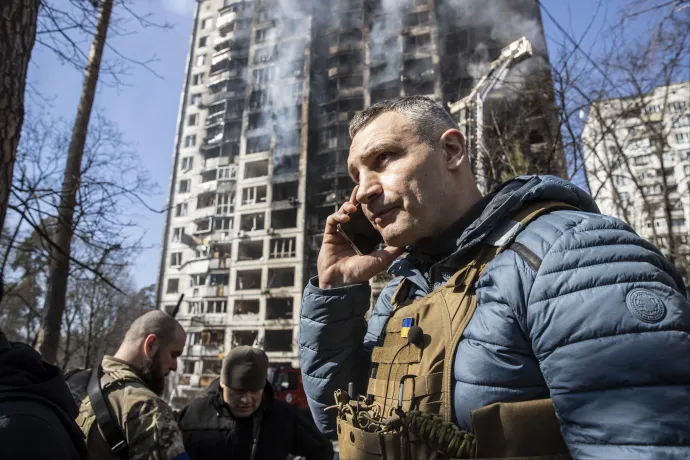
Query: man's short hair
x=155 y=322
x=429 y=117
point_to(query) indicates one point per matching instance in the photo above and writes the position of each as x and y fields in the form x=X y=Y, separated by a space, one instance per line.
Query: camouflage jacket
x=149 y=424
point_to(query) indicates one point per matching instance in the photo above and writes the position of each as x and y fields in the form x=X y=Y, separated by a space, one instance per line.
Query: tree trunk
x=59 y=263
x=17 y=36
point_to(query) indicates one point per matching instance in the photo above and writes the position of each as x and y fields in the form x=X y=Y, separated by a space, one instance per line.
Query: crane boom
x=469 y=111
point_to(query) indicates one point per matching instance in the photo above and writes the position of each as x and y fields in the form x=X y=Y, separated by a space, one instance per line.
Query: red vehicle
x=287 y=385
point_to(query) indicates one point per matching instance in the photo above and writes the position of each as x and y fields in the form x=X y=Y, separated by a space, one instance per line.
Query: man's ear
x=453 y=145
x=150 y=345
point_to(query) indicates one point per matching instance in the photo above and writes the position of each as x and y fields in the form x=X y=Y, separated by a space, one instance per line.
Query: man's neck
x=128 y=356
x=445 y=242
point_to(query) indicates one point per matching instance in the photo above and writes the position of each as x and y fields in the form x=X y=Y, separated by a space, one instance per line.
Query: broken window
x=177 y=233
x=259 y=99
x=262 y=76
x=227 y=173
x=258 y=144
x=175 y=259
x=213 y=338
x=248 y=307
x=279 y=308
x=417 y=19
x=222 y=224
x=197 y=280
x=248 y=279
x=285 y=164
x=189 y=367
x=203 y=226
x=251 y=222
x=250 y=250
x=173 y=286
x=256 y=121
x=416 y=43
x=282 y=248
x=205 y=200
x=278 y=340
x=208 y=176
x=217 y=306
x=211 y=366
x=225 y=203
x=219 y=279
x=285 y=191
x=240 y=338
x=281 y=277
x=254 y=195
x=284 y=218
x=195 y=308
x=423 y=88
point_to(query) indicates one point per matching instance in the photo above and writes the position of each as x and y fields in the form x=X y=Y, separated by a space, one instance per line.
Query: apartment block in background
x=637 y=155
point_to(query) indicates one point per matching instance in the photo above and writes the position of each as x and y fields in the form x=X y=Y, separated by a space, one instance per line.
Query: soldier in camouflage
x=132 y=382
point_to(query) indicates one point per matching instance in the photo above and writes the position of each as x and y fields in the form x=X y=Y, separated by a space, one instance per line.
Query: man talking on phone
x=522 y=323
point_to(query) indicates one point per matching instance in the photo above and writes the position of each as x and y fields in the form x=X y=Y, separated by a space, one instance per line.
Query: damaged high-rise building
x=262 y=142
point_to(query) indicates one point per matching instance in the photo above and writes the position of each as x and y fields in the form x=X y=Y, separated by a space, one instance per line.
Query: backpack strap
x=110 y=429
x=503 y=237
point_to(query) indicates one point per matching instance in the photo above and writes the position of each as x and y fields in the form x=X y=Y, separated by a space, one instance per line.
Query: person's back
x=130 y=384
x=36 y=410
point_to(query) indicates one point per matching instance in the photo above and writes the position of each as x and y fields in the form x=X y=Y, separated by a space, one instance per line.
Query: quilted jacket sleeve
x=335 y=342
x=609 y=323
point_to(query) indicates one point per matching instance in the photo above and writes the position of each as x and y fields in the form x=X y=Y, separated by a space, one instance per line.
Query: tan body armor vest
x=407 y=413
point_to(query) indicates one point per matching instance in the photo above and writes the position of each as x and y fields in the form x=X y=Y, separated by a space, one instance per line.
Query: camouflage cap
x=245 y=368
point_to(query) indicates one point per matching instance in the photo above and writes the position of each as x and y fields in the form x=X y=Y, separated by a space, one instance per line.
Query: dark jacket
x=36 y=408
x=210 y=432
x=580 y=309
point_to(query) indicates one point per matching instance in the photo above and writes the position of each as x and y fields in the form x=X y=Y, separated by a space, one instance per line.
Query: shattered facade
x=261 y=149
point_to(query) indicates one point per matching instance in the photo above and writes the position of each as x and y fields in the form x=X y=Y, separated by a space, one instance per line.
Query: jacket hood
x=22 y=371
x=507 y=199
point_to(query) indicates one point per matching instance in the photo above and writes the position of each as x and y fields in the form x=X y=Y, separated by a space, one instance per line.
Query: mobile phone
x=360 y=233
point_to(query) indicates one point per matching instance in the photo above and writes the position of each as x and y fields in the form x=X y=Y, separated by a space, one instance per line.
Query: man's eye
x=384 y=157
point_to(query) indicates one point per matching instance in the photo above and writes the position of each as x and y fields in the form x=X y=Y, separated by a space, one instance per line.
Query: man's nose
x=369 y=188
x=173 y=366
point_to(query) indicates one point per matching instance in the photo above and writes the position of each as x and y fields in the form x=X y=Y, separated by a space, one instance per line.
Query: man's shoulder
x=556 y=229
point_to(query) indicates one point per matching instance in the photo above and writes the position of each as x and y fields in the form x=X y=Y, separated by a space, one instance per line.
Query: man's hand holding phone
x=339 y=263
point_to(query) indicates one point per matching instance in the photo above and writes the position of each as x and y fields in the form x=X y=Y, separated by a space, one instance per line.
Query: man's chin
x=398 y=238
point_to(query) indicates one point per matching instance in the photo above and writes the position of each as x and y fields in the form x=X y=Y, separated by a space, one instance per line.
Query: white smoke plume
x=500 y=22
x=383 y=41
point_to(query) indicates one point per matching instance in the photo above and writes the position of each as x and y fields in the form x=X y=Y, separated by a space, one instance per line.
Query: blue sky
x=146 y=109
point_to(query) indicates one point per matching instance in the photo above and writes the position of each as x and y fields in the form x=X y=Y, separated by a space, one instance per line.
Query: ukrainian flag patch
x=407 y=323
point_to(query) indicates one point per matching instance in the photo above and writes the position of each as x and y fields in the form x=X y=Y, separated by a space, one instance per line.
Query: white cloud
x=179 y=6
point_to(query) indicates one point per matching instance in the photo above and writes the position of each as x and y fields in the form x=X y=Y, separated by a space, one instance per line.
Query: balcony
x=213 y=163
x=210 y=291
x=197 y=266
x=345 y=47
x=204 y=351
x=226 y=18
x=219 y=264
x=208 y=98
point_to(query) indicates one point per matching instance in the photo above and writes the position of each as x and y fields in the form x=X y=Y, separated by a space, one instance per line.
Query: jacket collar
x=496 y=207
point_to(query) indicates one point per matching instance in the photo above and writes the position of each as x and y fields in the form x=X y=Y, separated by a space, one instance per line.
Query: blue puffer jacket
x=594 y=317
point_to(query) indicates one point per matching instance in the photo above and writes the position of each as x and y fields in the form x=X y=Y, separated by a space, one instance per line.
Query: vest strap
x=412 y=388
